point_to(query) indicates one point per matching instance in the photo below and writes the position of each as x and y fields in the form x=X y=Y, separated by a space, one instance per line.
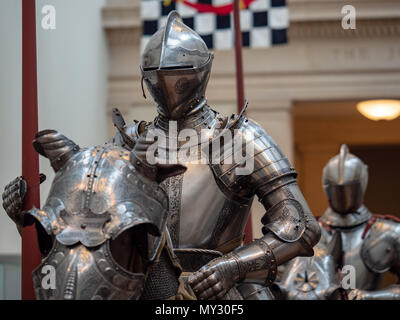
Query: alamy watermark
x=349 y=17
x=49 y=18
x=348 y=277
x=207 y=146
x=49 y=278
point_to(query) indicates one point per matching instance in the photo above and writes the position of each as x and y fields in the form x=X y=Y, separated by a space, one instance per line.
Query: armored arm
x=289 y=231
x=289 y=228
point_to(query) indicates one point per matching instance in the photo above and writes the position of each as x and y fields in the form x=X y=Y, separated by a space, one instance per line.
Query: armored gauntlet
x=214 y=280
x=13 y=198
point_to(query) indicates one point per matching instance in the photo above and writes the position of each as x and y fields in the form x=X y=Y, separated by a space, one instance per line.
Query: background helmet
x=345 y=179
x=176 y=67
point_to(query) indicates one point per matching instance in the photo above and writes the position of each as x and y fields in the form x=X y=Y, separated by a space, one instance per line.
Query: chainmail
x=162 y=281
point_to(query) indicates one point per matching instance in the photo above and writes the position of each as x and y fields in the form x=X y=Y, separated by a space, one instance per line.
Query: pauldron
x=381 y=248
x=271 y=171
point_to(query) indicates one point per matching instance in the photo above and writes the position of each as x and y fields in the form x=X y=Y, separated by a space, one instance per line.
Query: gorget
x=338 y=220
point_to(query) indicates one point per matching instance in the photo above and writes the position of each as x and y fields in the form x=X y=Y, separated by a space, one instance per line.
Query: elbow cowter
x=311 y=235
x=289 y=218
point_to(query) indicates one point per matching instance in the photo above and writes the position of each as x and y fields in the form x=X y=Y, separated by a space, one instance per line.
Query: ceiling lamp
x=379 y=109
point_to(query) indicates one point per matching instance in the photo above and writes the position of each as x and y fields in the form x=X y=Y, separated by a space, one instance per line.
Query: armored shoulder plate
x=251 y=161
x=254 y=164
x=381 y=247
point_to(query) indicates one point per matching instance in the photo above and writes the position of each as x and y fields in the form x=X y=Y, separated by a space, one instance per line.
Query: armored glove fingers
x=215 y=279
x=13 y=199
x=391 y=292
x=357 y=294
x=254 y=261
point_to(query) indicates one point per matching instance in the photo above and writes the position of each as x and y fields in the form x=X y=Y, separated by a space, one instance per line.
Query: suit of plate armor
x=371 y=243
x=209 y=204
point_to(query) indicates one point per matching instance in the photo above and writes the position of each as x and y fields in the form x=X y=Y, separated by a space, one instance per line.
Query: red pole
x=238 y=56
x=30 y=159
x=240 y=87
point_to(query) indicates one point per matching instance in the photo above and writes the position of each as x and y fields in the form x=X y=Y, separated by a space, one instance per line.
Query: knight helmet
x=176 y=66
x=345 y=179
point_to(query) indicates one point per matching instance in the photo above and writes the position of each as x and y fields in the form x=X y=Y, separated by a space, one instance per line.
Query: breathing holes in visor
x=168 y=68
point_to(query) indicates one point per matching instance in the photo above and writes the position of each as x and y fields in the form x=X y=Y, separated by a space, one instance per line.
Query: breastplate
x=201 y=214
x=352 y=244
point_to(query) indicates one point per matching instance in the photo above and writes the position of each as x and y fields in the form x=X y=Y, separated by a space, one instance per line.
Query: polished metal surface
x=54 y=146
x=83 y=273
x=176 y=67
x=370 y=250
x=127 y=135
x=272 y=171
x=332 y=218
x=345 y=179
x=256 y=261
x=199 y=118
x=175 y=45
x=352 y=242
x=96 y=199
x=133 y=131
x=269 y=161
x=255 y=291
x=192 y=260
x=13 y=196
x=391 y=292
x=380 y=252
x=90 y=190
x=209 y=203
x=370 y=256
x=289 y=228
x=373 y=255
x=216 y=278
x=314 y=278
x=381 y=248
x=208 y=218
x=211 y=206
